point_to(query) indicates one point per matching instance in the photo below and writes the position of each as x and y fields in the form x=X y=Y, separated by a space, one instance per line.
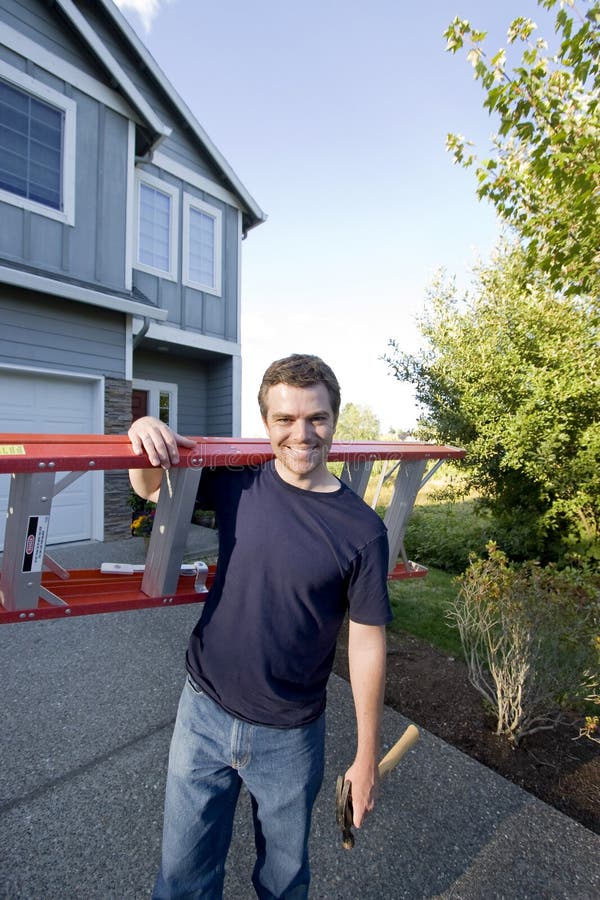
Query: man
x=297 y=550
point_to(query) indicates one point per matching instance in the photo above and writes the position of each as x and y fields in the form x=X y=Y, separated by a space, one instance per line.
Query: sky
x=334 y=116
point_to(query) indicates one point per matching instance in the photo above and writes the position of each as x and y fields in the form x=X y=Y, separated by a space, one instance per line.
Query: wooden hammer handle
x=393 y=756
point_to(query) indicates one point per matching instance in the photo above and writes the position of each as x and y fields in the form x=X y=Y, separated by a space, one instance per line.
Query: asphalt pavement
x=87 y=708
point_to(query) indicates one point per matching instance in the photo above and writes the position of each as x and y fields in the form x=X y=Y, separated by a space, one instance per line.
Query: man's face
x=300 y=425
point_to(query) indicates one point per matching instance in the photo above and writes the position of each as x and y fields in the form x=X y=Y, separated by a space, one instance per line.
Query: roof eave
x=254 y=213
x=157 y=128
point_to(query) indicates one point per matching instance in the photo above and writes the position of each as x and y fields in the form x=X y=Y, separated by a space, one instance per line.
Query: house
x=121 y=228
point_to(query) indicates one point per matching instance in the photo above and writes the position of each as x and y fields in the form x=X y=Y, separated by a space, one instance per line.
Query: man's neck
x=319 y=480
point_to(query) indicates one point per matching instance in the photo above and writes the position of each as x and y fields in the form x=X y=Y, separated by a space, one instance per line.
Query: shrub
x=445 y=535
x=531 y=639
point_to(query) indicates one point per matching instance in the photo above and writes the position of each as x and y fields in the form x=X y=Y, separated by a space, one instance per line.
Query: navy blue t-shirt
x=291 y=563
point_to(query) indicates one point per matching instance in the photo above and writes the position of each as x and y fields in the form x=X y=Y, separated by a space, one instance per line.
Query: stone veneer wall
x=117 y=419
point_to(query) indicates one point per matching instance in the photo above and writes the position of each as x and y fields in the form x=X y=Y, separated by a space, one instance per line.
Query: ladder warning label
x=12 y=450
x=35 y=543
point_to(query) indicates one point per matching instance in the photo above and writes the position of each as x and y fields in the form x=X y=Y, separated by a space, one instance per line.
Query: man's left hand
x=365 y=787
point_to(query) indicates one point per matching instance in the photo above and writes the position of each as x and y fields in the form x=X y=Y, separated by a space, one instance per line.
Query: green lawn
x=419 y=607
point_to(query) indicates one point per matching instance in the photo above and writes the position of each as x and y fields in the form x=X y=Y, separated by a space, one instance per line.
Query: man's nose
x=302 y=429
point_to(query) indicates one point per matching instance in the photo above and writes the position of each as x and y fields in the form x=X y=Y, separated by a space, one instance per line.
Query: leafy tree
x=357 y=423
x=544 y=176
x=513 y=376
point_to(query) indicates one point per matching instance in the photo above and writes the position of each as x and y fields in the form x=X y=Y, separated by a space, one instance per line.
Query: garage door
x=56 y=405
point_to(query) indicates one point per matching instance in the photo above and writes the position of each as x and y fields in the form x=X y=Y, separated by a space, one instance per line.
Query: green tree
x=544 y=175
x=513 y=376
x=357 y=423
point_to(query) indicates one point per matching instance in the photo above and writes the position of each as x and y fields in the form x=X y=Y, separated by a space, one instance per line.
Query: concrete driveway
x=87 y=708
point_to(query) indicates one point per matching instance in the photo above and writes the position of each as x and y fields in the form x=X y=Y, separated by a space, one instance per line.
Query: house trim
x=18 y=43
x=238 y=308
x=195 y=341
x=68 y=291
x=53 y=98
x=236 y=396
x=130 y=218
x=132 y=94
x=163 y=161
x=128 y=348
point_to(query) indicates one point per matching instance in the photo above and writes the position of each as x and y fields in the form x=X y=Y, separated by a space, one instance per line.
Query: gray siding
x=37 y=21
x=45 y=332
x=220 y=389
x=93 y=250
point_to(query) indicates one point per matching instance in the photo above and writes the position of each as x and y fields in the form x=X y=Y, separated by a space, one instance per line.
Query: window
x=164 y=406
x=202 y=225
x=37 y=146
x=157 y=205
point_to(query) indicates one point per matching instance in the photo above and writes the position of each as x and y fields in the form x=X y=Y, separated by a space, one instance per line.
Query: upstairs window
x=37 y=152
x=157 y=204
x=202 y=227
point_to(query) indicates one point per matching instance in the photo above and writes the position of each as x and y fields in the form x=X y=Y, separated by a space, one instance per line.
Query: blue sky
x=334 y=114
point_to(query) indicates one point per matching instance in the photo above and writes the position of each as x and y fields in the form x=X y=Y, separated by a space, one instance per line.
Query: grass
x=419 y=607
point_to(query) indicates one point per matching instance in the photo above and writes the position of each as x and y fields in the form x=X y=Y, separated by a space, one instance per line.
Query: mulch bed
x=432 y=689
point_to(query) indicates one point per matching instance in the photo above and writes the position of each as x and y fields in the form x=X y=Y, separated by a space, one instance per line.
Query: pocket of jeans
x=195 y=687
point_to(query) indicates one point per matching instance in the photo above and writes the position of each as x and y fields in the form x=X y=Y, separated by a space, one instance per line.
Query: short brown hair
x=300 y=370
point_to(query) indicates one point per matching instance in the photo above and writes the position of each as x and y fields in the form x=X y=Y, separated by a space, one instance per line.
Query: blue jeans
x=212 y=753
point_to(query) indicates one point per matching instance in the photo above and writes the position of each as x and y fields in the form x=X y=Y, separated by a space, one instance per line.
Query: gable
x=92 y=41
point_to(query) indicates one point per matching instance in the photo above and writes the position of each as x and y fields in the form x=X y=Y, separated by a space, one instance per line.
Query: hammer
x=343 y=790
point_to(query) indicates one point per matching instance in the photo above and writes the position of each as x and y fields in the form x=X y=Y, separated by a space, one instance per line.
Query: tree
x=357 y=423
x=544 y=178
x=513 y=376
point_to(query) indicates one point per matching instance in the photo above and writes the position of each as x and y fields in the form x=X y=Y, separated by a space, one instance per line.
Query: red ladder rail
x=27 y=592
x=87 y=452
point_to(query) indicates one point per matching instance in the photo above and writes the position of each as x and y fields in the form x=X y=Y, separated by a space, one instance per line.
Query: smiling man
x=298 y=550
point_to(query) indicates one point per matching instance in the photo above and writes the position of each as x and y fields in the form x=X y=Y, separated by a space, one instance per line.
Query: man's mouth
x=302 y=451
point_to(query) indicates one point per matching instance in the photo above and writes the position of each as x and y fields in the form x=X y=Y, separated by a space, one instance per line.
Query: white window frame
x=155 y=389
x=48 y=95
x=173 y=192
x=191 y=202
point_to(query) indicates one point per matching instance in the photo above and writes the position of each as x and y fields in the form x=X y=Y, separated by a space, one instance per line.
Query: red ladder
x=34 y=586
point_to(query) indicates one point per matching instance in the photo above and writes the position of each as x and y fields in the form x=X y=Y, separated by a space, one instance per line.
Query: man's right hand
x=158 y=440
x=161 y=445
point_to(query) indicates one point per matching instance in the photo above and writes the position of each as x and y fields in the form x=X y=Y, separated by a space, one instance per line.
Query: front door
x=139 y=404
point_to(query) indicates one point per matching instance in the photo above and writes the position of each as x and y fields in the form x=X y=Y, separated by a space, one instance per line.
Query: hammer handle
x=393 y=756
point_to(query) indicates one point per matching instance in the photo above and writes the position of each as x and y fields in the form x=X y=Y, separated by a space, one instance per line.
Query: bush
x=531 y=639
x=445 y=535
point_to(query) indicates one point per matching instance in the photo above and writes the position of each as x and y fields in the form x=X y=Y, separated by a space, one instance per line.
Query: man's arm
x=161 y=444
x=366 y=657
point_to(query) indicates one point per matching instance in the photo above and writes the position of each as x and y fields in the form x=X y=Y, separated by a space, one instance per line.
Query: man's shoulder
x=359 y=521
